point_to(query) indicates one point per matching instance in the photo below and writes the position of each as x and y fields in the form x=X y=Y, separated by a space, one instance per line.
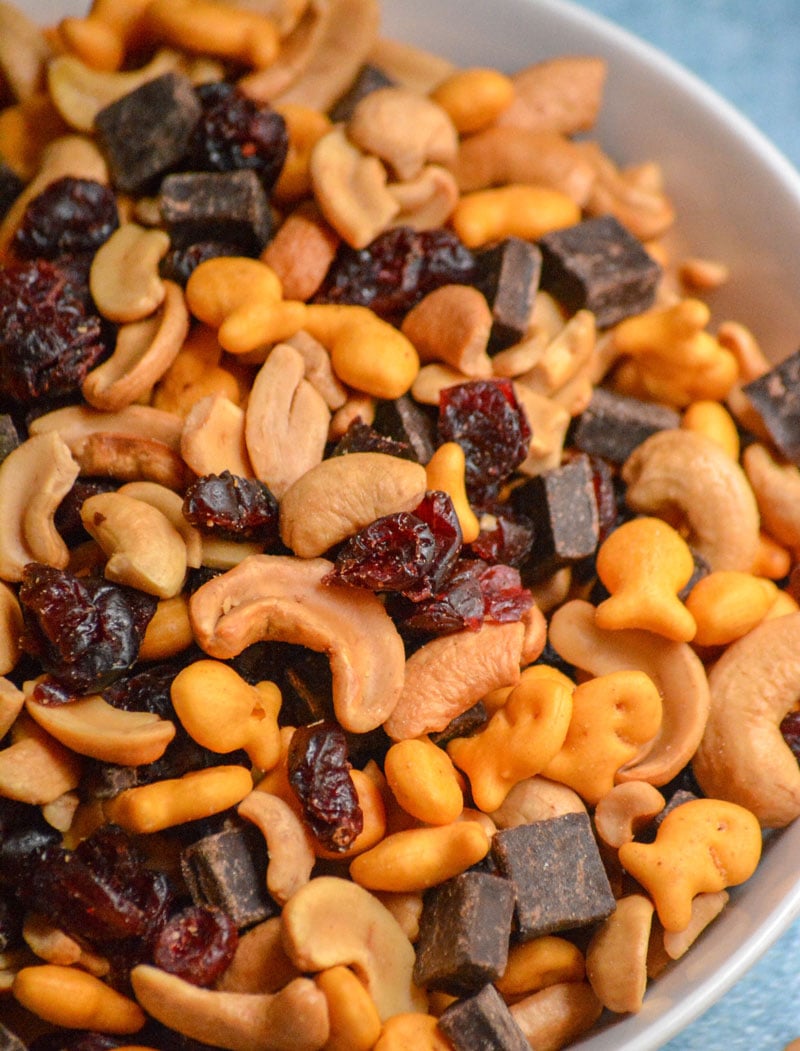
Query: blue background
x=749 y=51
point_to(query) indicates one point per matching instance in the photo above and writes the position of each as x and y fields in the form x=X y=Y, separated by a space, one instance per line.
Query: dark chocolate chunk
x=11 y=186
x=9 y=438
x=369 y=79
x=228 y=870
x=146 y=133
x=562 y=506
x=509 y=278
x=216 y=206
x=557 y=872
x=598 y=264
x=464 y=725
x=776 y=396
x=482 y=1022
x=406 y=421
x=463 y=933
x=612 y=425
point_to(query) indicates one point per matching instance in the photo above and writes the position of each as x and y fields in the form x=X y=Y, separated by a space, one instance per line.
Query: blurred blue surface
x=750 y=53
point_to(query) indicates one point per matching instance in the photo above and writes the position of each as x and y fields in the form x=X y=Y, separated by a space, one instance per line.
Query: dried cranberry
x=319 y=773
x=394 y=553
x=179 y=264
x=508 y=541
x=396 y=270
x=234 y=132
x=197 y=944
x=68 y=516
x=790 y=728
x=85 y=631
x=361 y=438
x=48 y=340
x=232 y=507
x=504 y=597
x=490 y=425
x=69 y=216
x=459 y=606
x=437 y=510
x=145 y=691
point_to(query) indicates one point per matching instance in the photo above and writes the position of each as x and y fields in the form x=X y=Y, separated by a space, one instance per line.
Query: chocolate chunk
x=464 y=725
x=463 y=933
x=11 y=186
x=228 y=869
x=776 y=396
x=557 y=872
x=9 y=438
x=216 y=206
x=406 y=421
x=482 y=1022
x=562 y=506
x=146 y=132
x=612 y=425
x=598 y=264
x=509 y=278
x=369 y=79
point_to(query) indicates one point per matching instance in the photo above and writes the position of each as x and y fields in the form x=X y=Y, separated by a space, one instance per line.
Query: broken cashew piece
x=624 y=935
x=742 y=756
x=291 y=856
x=294 y=1019
x=426 y=201
x=332 y=921
x=36 y=768
x=713 y=501
x=278 y=598
x=213 y=438
x=34 y=479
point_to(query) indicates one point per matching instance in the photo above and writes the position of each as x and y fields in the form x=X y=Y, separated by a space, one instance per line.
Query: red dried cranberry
x=319 y=773
x=235 y=133
x=396 y=270
x=790 y=728
x=504 y=597
x=361 y=438
x=48 y=340
x=71 y=215
x=490 y=425
x=85 y=631
x=459 y=606
x=197 y=944
x=437 y=510
x=179 y=264
x=508 y=541
x=394 y=553
x=68 y=515
x=232 y=507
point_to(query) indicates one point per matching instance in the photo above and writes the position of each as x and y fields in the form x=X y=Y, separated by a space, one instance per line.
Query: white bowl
x=738 y=200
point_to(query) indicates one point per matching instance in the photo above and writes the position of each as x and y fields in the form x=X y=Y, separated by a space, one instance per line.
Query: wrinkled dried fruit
x=319 y=773
x=790 y=728
x=197 y=944
x=179 y=264
x=232 y=507
x=70 y=216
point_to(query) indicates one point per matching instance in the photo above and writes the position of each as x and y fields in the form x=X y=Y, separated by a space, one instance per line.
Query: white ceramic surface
x=738 y=199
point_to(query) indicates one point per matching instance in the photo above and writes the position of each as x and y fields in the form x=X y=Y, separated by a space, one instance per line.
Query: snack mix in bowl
x=398 y=621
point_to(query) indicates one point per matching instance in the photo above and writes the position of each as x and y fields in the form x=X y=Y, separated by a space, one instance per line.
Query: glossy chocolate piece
x=216 y=206
x=613 y=425
x=482 y=1022
x=509 y=278
x=406 y=421
x=228 y=869
x=776 y=396
x=599 y=265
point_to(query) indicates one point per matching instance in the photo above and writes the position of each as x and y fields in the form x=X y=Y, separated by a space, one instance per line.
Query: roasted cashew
x=624 y=935
x=76 y=423
x=213 y=438
x=124 y=279
x=260 y=963
x=273 y=597
x=452 y=324
x=143 y=352
x=144 y=549
x=742 y=756
x=24 y=51
x=342 y=495
x=557 y=1014
x=132 y=460
x=55 y=946
x=537 y=799
x=623 y=810
x=11 y=702
x=639 y=203
x=333 y=921
x=426 y=201
x=10 y=632
x=712 y=499
x=35 y=768
x=673 y=666
x=294 y=1019
x=777 y=491
x=291 y=856
x=34 y=479
x=286 y=422
x=170 y=504
x=560 y=94
x=318 y=369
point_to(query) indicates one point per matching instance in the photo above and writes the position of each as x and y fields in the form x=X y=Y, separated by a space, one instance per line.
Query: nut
x=24 y=51
x=426 y=201
x=452 y=325
x=75 y=423
x=301 y=252
x=35 y=768
x=318 y=369
x=213 y=438
x=623 y=810
x=11 y=702
x=777 y=491
x=555 y=1016
x=170 y=504
x=123 y=278
x=260 y=963
x=561 y=94
x=291 y=856
x=623 y=936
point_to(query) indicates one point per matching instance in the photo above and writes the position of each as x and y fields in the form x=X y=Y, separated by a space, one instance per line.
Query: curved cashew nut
x=170 y=504
x=11 y=702
x=332 y=921
x=36 y=768
x=124 y=279
x=260 y=964
x=77 y=423
x=560 y=94
x=624 y=935
x=537 y=799
x=273 y=597
x=34 y=479
x=294 y=1019
x=10 y=632
x=673 y=666
x=713 y=498
x=777 y=491
x=742 y=756
x=213 y=438
x=291 y=856
x=143 y=352
x=426 y=201
x=623 y=810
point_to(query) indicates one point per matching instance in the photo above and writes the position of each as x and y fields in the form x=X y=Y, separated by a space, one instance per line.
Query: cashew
x=405 y=129
x=637 y=203
x=777 y=491
x=623 y=811
x=318 y=369
x=560 y=94
x=342 y=495
x=294 y=1019
x=260 y=963
x=412 y=67
x=11 y=702
x=55 y=946
x=549 y=422
x=332 y=921
x=301 y=251
x=452 y=324
x=24 y=51
x=291 y=857
x=272 y=597
x=742 y=756
x=537 y=799
x=34 y=479
x=90 y=726
x=351 y=189
x=143 y=352
x=80 y=92
x=297 y=49
x=673 y=666
x=10 y=631
x=426 y=201
x=556 y=1015
x=213 y=438
x=624 y=935
x=131 y=459
x=124 y=279
x=170 y=504
x=76 y=423
x=286 y=424
x=144 y=549
x=564 y=356
x=711 y=498
x=36 y=768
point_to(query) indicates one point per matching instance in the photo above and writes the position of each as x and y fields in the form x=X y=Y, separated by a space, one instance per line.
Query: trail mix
x=397 y=572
